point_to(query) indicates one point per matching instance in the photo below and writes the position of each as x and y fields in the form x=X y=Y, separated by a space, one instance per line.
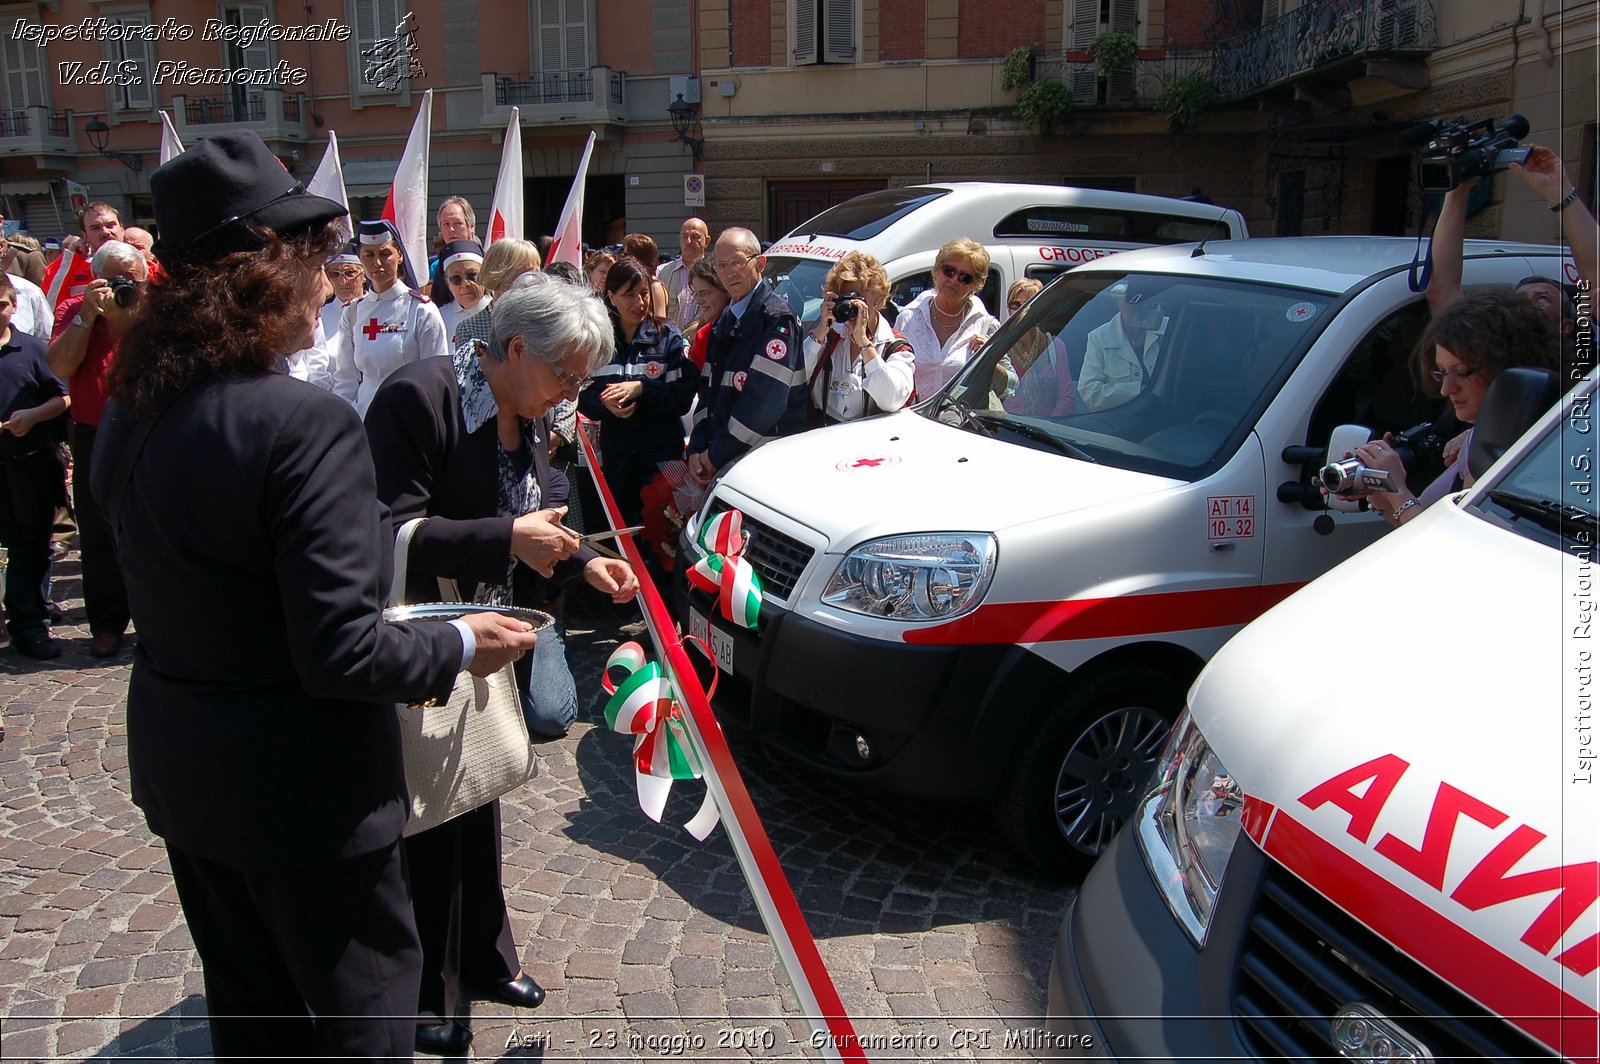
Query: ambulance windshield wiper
x=969 y=420
x=1547 y=513
x=1033 y=432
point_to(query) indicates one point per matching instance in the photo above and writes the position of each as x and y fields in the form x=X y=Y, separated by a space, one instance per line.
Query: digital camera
x=124 y=291
x=845 y=308
x=1457 y=151
x=1353 y=477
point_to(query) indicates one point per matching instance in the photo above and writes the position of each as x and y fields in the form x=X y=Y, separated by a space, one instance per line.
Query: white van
x=1036 y=231
x=1375 y=834
x=984 y=601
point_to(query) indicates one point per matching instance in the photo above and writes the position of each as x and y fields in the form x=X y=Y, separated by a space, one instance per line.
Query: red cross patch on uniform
x=777 y=350
x=738 y=381
x=653 y=370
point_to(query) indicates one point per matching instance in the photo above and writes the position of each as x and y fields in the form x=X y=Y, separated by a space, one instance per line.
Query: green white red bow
x=644 y=705
x=724 y=571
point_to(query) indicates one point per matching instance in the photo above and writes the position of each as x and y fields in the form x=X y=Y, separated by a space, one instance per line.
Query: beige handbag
x=473 y=748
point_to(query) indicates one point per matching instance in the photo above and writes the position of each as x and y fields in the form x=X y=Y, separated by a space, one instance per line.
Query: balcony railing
x=36 y=131
x=555 y=97
x=1138 y=87
x=210 y=110
x=557 y=87
x=1316 y=35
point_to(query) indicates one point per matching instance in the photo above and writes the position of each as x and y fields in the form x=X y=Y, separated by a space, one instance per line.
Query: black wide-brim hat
x=208 y=198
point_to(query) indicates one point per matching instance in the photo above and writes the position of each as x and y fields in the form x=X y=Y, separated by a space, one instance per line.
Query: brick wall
x=902 y=29
x=993 y=27
x=752 y=33
x=1186 y=21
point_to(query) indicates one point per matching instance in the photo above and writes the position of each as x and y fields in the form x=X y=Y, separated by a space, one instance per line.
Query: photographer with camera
x=856 y=364
x=1461 y=353
x=82 y=347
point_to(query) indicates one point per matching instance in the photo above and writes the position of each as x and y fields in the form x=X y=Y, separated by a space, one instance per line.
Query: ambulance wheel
x=1076 y=782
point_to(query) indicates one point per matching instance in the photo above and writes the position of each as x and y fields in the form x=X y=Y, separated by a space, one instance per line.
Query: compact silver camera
x=1352 y=477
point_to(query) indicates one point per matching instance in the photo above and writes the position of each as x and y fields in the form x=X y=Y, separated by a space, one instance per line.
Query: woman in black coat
x=458 y=441
x=263 y=744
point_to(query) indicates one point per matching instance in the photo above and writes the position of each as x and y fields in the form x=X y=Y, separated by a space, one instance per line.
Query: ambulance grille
x=778 y=559
x=1304 y=959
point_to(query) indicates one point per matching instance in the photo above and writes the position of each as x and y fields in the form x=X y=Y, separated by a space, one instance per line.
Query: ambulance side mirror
x=1512 y=404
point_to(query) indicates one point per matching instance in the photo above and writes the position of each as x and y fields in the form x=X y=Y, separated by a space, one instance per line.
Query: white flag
x=505 y=216
x=328 y=181
x=407 y=205
x=568 y=243
x=171 y=146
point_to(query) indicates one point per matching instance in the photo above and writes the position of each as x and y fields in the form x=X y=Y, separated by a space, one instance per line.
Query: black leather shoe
x=446 y=1039
x=522 y=992
x=37 y=643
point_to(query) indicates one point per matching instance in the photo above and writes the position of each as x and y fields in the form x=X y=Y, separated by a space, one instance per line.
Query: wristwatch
x=77 y=319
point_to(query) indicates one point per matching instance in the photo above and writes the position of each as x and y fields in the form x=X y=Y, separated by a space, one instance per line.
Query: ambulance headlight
x=927 y=577
x=1188 y=824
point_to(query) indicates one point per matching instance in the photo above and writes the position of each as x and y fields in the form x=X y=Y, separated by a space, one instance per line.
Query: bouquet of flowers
x=669 y=496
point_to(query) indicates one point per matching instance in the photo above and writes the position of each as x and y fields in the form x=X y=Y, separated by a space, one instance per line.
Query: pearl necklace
x=934 y=306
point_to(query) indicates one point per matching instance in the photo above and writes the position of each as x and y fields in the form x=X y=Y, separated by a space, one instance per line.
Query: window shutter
x=137 y=96
x=248 y=101
x=576 y=36
x=1124 y=19
x=1085 y=24
x=803 y=17
x=838 y=31
x=24 y=74
x=1271 y=10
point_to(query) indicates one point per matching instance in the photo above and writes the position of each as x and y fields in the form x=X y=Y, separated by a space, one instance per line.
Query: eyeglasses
x=1458 y=375
x=470 y=277
x=957 y=275
x=568 y=380
x=346 y=272
x=725 y=265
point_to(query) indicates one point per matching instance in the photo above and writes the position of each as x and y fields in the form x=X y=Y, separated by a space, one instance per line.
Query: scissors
x=595 y=537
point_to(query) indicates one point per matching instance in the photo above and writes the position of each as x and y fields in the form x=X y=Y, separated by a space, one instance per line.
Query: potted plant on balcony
x=1045 y=103
x=1186 y=100
x=1016 y=70
x=1114 y=52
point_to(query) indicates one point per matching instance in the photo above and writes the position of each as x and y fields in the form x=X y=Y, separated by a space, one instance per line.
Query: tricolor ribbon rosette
x=724 y=572
x=644 y=705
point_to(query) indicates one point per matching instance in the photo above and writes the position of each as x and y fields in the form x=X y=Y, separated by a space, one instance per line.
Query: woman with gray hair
x=458 y=441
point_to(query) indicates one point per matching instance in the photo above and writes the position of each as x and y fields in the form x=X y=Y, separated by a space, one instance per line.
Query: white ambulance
x=1036 y=231
x=1002 y=598
x=1375 y=834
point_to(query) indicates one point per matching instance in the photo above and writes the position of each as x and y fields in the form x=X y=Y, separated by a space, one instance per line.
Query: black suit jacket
x=261 y=724
x=428 y=465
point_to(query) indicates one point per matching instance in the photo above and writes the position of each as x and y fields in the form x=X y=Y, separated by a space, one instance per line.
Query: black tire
x=1073 y=785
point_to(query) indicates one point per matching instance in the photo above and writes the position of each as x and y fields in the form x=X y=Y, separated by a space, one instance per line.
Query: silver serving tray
x=450 y=611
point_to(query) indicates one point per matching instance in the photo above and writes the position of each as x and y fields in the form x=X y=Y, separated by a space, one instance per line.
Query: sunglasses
x=470 y=277
x=957 y=275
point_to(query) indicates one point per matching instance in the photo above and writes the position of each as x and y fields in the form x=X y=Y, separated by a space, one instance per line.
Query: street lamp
x=100 y=135
x=687 y=126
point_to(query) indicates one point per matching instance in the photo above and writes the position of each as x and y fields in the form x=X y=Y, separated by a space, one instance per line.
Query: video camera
x=1417 y=447
x=1457 y=151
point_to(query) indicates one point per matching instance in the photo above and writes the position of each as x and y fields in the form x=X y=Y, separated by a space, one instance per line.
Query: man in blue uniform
x=753 y=388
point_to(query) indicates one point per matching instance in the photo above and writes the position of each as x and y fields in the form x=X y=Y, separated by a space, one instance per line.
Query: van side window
x=1057 y=223
x=1377 y=386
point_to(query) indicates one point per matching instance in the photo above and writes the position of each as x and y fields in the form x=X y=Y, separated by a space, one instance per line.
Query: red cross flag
x=407 y=205
x=328 y=181
x=505 y=216
x=568 y=244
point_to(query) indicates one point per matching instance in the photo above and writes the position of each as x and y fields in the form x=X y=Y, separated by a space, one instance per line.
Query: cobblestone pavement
x=648 y=942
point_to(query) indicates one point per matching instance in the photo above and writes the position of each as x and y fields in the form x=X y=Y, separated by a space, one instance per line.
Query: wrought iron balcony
x=1320 y=35
x=1138 y=87
x=274 y=114
x=557 y=97
x=35 y=131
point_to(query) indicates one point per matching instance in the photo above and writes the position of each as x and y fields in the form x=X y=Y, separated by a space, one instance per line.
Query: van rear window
x=869 y=214
x=1093 y=223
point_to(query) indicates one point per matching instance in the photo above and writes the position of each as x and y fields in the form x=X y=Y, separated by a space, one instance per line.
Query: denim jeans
x=550 y=703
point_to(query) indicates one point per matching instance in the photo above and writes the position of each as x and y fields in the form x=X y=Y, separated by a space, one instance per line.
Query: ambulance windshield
x=1161 y=374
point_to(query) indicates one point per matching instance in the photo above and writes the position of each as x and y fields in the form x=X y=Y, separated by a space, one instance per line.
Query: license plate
x=715 y=644
x=722 y=648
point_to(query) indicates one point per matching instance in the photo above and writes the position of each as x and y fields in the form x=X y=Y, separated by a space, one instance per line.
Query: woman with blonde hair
x=595 y=267
x=948 y=322
x=857 y=364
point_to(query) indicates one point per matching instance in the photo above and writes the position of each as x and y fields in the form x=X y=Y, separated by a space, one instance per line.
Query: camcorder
x=845 y=308
x=1458 y=151
x=1420 y=450
x=124 y=291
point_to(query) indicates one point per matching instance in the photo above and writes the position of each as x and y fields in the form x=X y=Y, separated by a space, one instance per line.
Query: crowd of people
x=325 y=391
